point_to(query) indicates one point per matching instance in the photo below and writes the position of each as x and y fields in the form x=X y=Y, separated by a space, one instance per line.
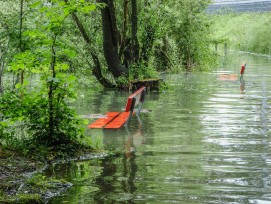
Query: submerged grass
x=22 y=182
x=13 y=168
x=22 y=199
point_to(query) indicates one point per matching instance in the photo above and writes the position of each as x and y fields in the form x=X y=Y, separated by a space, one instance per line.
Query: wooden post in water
x=242 y=71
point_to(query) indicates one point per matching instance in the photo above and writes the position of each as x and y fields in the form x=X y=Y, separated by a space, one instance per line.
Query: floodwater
x=206 y=139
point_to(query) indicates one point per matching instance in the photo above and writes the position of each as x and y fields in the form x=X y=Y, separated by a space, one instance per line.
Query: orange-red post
x=242 y=71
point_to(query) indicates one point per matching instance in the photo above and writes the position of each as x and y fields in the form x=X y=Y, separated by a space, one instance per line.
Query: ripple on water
x=205 y=141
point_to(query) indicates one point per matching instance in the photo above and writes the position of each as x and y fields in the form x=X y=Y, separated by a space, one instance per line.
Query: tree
x=186 y=34
x=43 y=112
x=111 y=40
x=121 y=49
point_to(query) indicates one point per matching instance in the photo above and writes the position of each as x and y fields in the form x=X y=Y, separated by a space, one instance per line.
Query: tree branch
x=96 y=71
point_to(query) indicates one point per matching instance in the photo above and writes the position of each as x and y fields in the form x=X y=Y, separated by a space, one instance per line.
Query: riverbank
x=14 y=171
x=21 y=180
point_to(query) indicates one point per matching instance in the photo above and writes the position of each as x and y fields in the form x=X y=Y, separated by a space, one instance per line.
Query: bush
x=29 y=113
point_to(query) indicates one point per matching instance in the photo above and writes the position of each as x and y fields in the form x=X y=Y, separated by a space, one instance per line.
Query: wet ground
x=13 y=171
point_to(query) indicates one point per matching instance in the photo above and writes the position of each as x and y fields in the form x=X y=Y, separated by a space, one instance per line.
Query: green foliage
x=245 y=31
x=182 y=34
x=193 y=35
x=142 y=71
x=31 y=113
x=43 y=112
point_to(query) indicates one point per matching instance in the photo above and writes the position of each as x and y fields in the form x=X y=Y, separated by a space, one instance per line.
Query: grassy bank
x=244 y=31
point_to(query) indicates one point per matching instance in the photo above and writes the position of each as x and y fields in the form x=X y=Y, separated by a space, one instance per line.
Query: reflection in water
x=133 y=142
x=242 y=85
x=227 y=77
x=123 y=172
x=120 y=176
x=200 y=144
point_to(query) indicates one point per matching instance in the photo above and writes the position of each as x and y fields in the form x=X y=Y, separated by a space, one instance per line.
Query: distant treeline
x=247 y=31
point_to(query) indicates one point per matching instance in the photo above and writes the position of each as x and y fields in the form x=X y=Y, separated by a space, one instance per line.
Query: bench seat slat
x=118 y=121
x=101 y=122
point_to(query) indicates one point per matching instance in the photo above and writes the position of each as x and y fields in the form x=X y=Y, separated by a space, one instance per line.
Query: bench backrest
x=135 y=99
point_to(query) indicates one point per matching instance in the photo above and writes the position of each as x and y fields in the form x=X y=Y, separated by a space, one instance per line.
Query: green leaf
x=62 y=3
x=64 y=67
x=49 y=13
x=91 y=7
x=36 y=4
x=88 y=8
x=66 y=11
x=18 y=86
x=21 y=118
x=70 y=53
x=4 y=124
x=43 y=9
x=34 y=34
x=71 y=78
x=85 y=121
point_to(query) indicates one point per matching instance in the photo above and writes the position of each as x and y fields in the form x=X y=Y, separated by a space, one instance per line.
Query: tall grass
x=244 y=31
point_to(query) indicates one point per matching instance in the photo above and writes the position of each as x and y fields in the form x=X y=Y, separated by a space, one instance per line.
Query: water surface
x=204 y=140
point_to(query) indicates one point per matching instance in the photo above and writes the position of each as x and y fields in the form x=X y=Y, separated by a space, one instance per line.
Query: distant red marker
x=242 y=71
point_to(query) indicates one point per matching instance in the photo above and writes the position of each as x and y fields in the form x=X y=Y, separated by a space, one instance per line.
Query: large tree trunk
x=111 y=40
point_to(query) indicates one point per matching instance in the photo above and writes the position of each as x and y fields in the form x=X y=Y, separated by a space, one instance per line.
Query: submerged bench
x=114 y=120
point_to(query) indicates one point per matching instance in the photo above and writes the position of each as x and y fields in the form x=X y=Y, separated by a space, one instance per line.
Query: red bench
x=114 y=120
